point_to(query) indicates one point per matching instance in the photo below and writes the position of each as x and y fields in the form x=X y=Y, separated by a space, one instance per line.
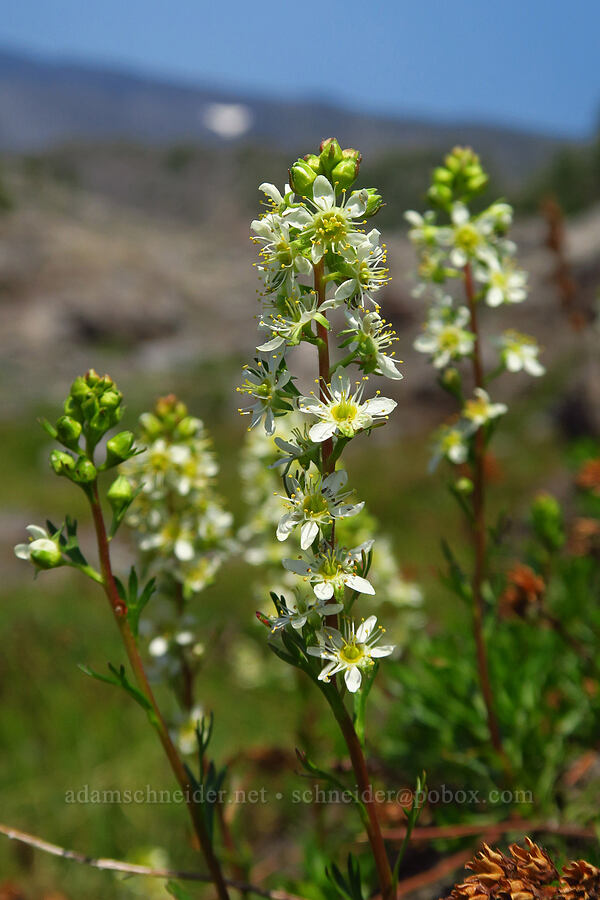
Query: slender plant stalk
x=357 y=758
x=324 y=365
x=120 y=613
x=365 y=788
x=479 y=532
x=117 y=865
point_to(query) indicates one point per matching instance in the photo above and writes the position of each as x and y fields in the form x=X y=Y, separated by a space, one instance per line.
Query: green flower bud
x=440 y=195
x=45 y=554
x=119 y=448
x=68 y=431
x=331 y=155
x=302 y=177
x=85 y=471
x=547 y=520
x=62 y=463
x=151 y=426
x=187 y=428
x=442 y=175
x=346 y=172
x=374 y=203
x=110 y=399
x=120 y=494
x=464 y=486
x=314 y=162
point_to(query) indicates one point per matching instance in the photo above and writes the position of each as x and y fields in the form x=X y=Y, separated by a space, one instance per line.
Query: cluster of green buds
x=339 y=166
x=318 y=263
x=460 y=178
x=466 y=261
x=93 y=408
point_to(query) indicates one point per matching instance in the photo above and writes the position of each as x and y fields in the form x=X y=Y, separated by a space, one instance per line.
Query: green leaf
x=175 y=890
x=119 y=679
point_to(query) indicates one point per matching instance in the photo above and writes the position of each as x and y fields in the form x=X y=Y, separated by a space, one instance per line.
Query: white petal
x=36 y=532
x=316 y=253
x=158 y=646
x=323 y=590
x=22 y=551
x=285 y=526
x=271 y=345
x=413 y=217
x=323 y=193
x=365 y=628
x=387 y=367
x=298 y=217
x=346 y=289
x=356 y=583
x=383 y=650
x=335 y=481
x=494 y=296
x=184 y=549
x=357 y=204
x=460 y=214
x=380 y=406
x=271 y=191
x=298 y=566
x=322 y=431
x=308 y=533
x=353 y=679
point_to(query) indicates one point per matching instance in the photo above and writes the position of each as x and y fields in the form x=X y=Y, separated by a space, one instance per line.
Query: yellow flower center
x=331 y=227
x=467 y=238
x=449 y=338
x=344 y=411
x=352 y=653
x=314 y=504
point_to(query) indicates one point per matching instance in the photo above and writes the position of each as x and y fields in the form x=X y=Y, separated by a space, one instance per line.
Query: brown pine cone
x=533 y=863
x=580 y=881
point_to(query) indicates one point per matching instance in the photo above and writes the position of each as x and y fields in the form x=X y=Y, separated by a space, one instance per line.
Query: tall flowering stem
x=317 y=264
x=471 y=249
x=479 y=526
x=92 y=409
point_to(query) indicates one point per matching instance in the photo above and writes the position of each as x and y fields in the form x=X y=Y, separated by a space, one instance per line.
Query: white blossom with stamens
x=445 y=337
x=314 y=503
x=520 y=353
x=504 y=282
x=265 y=382
x=329 y=224
x=371 y=336
x=329 y=572
x=480 y=410
x=365 y=259
x=343 y=411
x=288 y=326
x=296 y=612
x=351 y=652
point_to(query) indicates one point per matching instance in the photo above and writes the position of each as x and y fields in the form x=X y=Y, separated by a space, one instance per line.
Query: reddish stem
x=479 y=532
x=120 y=613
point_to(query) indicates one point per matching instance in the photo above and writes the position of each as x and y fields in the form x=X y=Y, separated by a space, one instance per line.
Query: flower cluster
x=183 y=532
x=317 y=262
x=471 y=249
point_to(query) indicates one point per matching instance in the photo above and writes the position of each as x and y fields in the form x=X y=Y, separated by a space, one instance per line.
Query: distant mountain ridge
x=45 y=103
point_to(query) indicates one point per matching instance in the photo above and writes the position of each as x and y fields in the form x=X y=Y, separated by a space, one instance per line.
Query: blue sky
x=530 y=63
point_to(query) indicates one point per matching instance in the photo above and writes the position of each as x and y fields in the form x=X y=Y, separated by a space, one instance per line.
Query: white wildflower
x=351 y=652
x=343 y=411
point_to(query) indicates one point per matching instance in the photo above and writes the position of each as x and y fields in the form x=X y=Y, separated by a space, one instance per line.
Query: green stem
x=323 y=351
x=479 y=533
x=120 y=613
